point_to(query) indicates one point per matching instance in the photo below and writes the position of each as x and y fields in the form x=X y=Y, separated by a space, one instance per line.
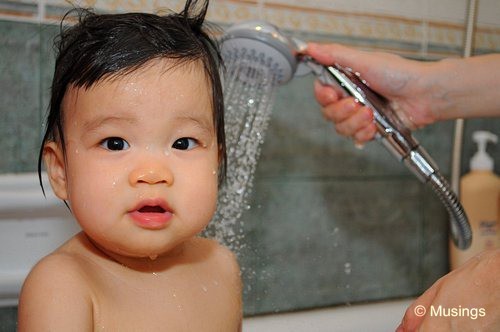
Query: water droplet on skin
x=205 y=289
x=155 y=274
x=153 y=257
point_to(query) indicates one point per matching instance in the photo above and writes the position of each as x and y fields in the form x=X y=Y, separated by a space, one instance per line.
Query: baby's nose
x=151 y=172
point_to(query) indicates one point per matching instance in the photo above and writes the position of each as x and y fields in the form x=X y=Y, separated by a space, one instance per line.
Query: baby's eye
x=185 y=143
x=114 y=144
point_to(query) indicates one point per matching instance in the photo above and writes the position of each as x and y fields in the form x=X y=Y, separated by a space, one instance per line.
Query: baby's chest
x=158 y=308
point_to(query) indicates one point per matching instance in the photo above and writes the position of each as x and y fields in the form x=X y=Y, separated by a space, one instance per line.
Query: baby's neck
x=147 y=264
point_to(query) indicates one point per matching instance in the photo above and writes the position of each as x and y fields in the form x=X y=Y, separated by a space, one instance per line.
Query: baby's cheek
x=205 y=193
x=92 y=192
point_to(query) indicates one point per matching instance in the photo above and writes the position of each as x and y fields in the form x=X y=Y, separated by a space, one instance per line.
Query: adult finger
x=365 y=134
x=326 y=94
x=417 y=311
x=357 y=121
x=340 y=111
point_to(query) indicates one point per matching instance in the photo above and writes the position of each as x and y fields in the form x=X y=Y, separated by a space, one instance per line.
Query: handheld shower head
x=263 y=43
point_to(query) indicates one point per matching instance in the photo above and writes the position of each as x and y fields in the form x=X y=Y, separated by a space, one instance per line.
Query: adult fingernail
x=359 y=145
x=353 y=103
x=329 y=95
x=368 y=114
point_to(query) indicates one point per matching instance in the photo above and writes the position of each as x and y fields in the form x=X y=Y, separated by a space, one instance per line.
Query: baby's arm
x=225 y=268
x=54 y=297
x=234 y=275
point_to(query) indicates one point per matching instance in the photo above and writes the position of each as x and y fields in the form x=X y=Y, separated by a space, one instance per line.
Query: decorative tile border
x=354 y=25
x=398 y=33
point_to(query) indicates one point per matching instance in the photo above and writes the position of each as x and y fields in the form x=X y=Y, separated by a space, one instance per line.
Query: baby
x=135 y=147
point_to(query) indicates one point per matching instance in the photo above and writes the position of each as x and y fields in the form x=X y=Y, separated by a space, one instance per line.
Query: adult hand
x=396 y=78
x=466 y=299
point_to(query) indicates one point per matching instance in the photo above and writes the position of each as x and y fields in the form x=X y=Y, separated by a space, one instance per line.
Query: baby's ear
x=56 y=170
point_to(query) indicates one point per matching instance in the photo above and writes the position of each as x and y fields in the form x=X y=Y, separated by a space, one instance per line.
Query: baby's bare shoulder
x=55 y=285
x=65 y=264
x=217 y=260
x=220 y=265
x=215 y=253
x=58 y=272
x=59 y=265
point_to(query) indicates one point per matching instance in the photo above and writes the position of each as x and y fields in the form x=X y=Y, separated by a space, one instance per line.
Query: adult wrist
x=438 y=83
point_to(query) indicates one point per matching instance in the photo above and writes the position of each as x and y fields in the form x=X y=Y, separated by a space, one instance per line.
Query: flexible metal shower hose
x=460 y=229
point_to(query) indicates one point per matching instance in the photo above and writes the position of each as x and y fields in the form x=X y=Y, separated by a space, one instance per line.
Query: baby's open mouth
x=151 y=214
x=151 y=209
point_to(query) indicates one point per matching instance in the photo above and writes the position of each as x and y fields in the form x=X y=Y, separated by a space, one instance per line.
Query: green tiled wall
x=329 y=224
x=20 y=95
x=25 y=72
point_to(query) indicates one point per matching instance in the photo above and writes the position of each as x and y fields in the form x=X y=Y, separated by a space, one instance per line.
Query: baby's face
x=142 y=158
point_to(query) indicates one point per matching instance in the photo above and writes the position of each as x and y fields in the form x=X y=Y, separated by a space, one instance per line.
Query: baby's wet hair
x=103 y=46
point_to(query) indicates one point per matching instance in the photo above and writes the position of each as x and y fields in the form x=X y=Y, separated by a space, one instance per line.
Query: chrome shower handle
x=388 y=124
x=391 y=132
x=397 y=138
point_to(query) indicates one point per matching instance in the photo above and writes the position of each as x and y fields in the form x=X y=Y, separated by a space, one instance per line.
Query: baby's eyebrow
x=205 y=124
x=102 y=120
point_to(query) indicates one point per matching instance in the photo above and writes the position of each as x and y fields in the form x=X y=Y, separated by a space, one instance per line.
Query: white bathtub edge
x=379 y=316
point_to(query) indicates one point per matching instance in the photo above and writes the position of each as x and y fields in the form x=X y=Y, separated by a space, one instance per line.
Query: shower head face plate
x=261 y=42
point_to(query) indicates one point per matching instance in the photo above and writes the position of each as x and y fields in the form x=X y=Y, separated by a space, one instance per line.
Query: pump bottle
x=480 y=197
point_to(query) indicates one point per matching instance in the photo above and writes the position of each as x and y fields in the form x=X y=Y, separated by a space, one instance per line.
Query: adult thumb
x=329 y=54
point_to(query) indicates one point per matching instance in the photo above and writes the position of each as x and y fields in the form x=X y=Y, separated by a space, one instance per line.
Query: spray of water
x=249 y=89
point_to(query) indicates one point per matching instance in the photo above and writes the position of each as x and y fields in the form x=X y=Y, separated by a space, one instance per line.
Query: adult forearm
x=464 y=88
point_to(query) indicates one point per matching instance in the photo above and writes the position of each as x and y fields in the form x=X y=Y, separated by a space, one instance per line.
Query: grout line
x=41 y=10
